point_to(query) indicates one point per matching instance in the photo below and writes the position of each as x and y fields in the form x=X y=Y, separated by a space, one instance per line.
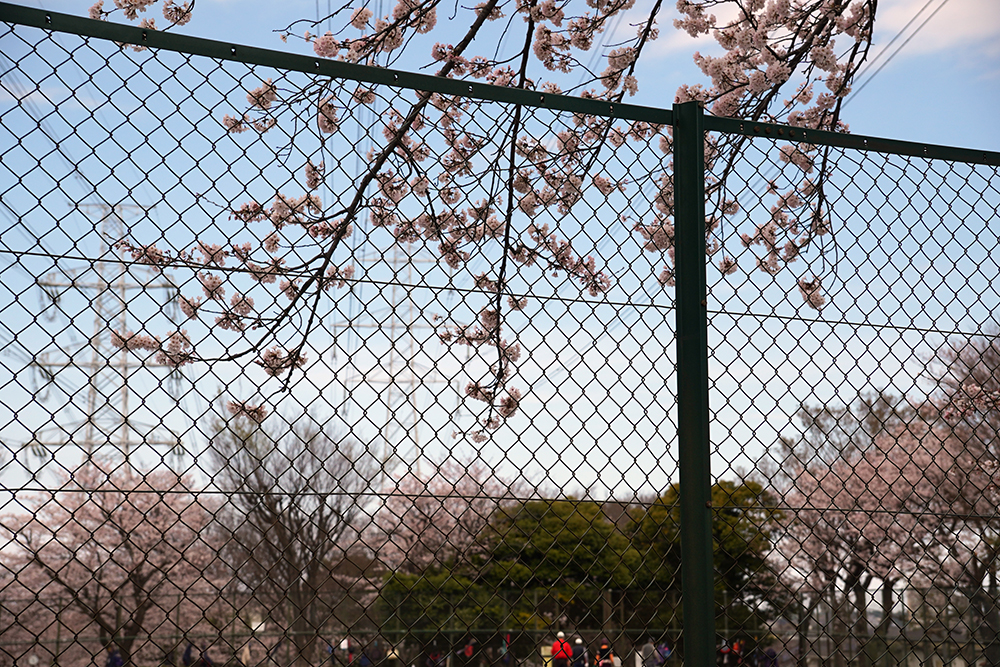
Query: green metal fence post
x=697 y=577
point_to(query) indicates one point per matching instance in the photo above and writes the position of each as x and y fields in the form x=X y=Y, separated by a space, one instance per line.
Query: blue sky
x=943 y=87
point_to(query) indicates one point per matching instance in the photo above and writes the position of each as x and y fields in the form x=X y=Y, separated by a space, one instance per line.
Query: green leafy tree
x=443 y=599
x=430 y=536
x=546 y=562
x=563 y=557
x=537 y=562
x=744 y=527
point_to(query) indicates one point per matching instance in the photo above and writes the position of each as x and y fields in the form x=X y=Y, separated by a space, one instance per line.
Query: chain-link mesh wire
x=856 y=426
x=258 y=407
x=360 y=506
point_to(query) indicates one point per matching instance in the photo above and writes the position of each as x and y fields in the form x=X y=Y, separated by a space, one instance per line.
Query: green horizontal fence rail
x=125 y=34
x=321 y=66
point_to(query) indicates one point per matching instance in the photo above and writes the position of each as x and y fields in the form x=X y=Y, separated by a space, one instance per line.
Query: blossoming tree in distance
x=485 y=191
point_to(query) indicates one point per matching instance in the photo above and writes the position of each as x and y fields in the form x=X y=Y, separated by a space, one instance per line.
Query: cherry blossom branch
x=176 y=15
x=973 y=399
x=276 y=361
x=354 y=207
x=508 y=404
x=765 y=46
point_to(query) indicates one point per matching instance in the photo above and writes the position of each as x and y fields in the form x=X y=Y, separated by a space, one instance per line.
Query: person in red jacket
x=561 y=651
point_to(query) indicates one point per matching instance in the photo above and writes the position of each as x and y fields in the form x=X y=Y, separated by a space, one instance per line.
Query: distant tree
x=532 y=564
x=115 y=554
x=296 y=500
x=863 y=519
x=566 y=550
x=429 y=538
x=832 y=436
x=442 y=599
x=964 y=378
x=437 y=519
x=544 y=542
x=964 y=404
x=745 y=524
x=829 y=432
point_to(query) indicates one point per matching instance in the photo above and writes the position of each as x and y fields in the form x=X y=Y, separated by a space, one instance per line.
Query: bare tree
x=296 y=501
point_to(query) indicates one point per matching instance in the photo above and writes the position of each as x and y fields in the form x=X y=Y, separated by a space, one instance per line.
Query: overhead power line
x=864 y=85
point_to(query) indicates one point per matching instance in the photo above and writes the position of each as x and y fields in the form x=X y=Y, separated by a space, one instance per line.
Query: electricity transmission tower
x=113 y=403
x=404 y=373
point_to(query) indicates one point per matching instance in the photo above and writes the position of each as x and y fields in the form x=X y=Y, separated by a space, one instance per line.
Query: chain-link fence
x=308 y=363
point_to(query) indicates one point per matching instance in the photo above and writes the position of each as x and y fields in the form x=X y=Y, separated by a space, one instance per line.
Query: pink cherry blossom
x=177 y=14
x=263 y=96
x=276 y=361
x=326 y=46
x=438 y=177
x=812 y=292
x=255 y=413
x=326 y=116
x=189 y=306
x=177 y=352
x=314 y=174
x=212 y=285
x=360 y=17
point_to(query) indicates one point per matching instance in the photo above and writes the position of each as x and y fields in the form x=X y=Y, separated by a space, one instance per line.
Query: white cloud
x=673 y=41
x=959 y=23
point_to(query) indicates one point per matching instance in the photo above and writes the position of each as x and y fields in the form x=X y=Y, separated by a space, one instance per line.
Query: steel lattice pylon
x=93 y=373
x=400 y=374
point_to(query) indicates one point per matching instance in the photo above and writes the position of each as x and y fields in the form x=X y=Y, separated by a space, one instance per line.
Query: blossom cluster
x=175 y=14
x=973 y=399
x=254 y=412
x=176 y=352
x=263 y=96
x=276 y=361
x=238 y=312
x=768 y=45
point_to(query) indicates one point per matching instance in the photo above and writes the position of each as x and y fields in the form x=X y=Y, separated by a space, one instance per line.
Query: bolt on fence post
x=697 y=576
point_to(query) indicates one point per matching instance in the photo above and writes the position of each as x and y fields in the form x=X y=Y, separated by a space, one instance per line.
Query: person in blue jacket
x=114 y=658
